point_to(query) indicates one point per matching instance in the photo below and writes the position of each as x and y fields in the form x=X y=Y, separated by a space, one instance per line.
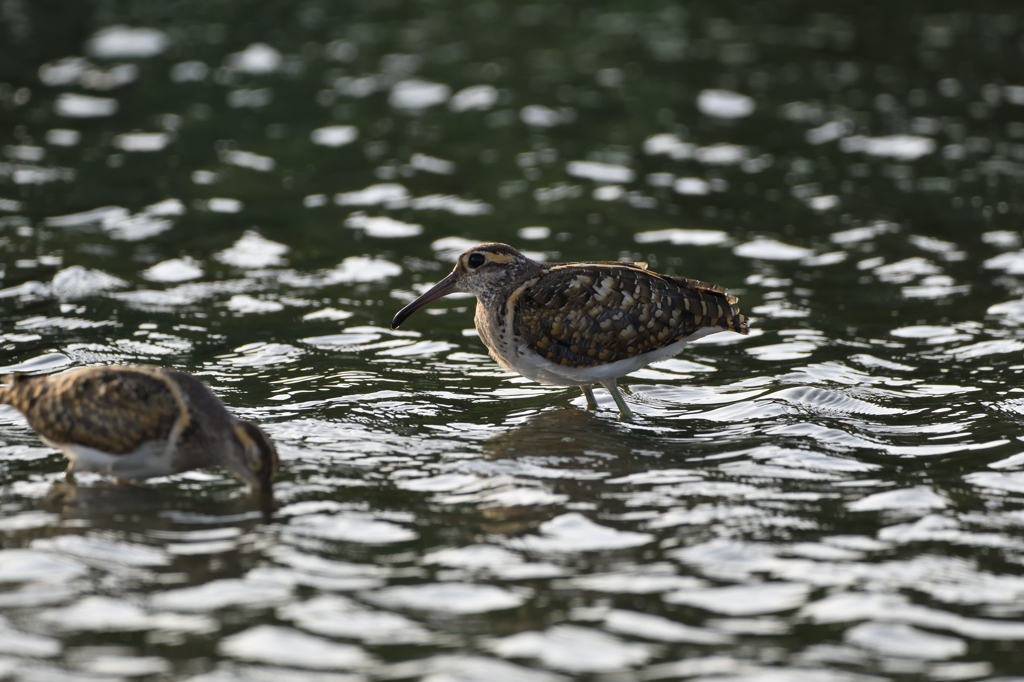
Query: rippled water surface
x=250 y=191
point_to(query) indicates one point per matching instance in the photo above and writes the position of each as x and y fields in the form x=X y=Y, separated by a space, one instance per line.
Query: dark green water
x=250 y=191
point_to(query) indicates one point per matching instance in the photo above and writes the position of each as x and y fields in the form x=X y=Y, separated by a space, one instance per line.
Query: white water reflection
x=250 y=160
x=415 y=94
x=383 y=227
x=771 y=249
x=902 y=147
x=574 y=649
x=141 y=142
x=23 y=565
x=725 y=104
x=16 y=642
x=174 y=270
x=387 y=194
x=252 y=250
x=453 y=598
x=600 y=172
x=257 y=58
x=660 y=629
x=744 y=600
x=336 y=616
x=223 y=204
x=574 y=532
x=909 y=499
x=222 y=594
x=283 y=646
x=127 y=42
x=474 y=98
x=105 y=614
x=334 y=136
x=351 y=528
x=679 y=236
x=449 y=668
x=71 y=105
x=905 y=641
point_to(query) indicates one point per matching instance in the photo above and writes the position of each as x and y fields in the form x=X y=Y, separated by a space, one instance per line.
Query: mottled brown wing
x=582 y=315
x=110 y=409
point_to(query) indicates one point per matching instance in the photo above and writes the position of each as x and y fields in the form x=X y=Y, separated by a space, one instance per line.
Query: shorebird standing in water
x=138 y=422
x=580 y=324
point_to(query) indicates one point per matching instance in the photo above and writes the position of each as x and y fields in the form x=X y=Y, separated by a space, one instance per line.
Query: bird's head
x=253 y=458
x=482 y=271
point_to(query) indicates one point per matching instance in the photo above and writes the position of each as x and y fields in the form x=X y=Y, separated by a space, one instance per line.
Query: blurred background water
x=250 y=191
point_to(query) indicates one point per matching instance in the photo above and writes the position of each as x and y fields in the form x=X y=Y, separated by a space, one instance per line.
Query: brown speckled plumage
x=586 y=314
x=570 y=323
x=119 y=410
x=109 y=409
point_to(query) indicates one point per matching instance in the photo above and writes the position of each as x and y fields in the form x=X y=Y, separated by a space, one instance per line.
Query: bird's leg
x=69 y=474
x=624 y=410
x=588 y=393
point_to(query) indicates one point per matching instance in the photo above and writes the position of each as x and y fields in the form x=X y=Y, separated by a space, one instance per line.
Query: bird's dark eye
x=475 y=260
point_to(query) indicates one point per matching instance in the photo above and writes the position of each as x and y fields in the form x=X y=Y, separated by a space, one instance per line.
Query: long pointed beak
x=442 y=288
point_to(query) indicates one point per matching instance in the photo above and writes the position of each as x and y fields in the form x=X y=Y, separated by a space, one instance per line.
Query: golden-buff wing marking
x=587 y=314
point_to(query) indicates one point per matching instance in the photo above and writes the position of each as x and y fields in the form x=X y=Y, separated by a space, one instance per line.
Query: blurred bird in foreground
x=580 y=324
x=137 y=422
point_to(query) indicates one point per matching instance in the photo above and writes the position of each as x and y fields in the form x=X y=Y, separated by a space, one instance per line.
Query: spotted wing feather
x=583 y=315
x=114 y=411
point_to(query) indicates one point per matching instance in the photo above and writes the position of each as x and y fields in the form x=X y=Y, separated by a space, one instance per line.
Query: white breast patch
x=149 y=460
